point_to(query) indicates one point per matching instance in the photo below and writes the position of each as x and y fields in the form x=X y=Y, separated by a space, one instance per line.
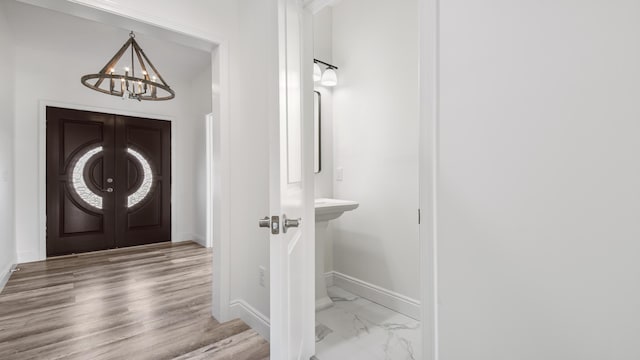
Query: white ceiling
x=45 y=29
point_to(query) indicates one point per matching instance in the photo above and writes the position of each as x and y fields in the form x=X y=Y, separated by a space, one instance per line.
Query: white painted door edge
x=429 y=114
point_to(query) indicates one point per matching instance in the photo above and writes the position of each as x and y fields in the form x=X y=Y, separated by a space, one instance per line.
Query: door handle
x=273 y=223
x=290 y=223
x=109 y=190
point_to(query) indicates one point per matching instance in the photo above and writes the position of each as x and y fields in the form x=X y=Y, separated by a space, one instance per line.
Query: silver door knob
x=109 y=180
x=109 y=190
x=290 y=223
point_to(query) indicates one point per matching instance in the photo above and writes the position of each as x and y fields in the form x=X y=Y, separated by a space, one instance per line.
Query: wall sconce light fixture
x=329 y=77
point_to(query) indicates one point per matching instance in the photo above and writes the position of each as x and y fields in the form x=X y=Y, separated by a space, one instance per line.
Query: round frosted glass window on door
x=79 y=183
x=147 y=180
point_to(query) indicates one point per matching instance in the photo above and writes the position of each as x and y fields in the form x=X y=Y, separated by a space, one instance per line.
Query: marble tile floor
x=355 y=328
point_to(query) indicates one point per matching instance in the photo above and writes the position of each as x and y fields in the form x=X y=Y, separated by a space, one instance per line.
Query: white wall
x=375 y=119
x=199 y=105
x=538 y=180
x=7 y=239
x=322 y=50
x=50 y=69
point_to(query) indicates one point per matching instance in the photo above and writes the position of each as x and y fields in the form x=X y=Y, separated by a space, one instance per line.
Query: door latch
x=273 y=223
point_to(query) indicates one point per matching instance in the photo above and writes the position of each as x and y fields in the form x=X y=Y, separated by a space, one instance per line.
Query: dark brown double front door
x=108 y=181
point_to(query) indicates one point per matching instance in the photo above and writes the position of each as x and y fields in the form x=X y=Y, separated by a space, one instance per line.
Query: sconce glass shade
x=329 y=78
x=317 y=72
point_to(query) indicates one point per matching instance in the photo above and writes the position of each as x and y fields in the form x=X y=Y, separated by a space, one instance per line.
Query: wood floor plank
x=148 y=302
x=247 y=345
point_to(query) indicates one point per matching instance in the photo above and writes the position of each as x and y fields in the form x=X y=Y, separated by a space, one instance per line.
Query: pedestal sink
x=326 y=210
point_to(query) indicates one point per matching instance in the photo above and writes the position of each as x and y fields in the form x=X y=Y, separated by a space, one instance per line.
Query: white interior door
x=291 y=190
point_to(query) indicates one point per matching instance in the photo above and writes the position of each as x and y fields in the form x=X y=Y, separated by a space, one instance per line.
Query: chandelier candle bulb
x=154 y=93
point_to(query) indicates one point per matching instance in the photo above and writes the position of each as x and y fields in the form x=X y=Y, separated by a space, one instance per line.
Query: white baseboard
x=200 y=240
x=328 y=278
x=5 y=275
x=26 y=257
x=251 y=316
x=387 y=298
x=188 y=237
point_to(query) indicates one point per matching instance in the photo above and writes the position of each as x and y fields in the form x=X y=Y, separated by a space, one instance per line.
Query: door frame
x=42 y=160
x=429 y=115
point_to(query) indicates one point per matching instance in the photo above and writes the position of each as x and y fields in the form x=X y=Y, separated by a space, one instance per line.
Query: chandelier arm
x=153 y=67
x=136 y=47
x=113 y=61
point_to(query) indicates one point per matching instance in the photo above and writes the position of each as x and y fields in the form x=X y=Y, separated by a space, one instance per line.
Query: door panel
x=79 y=214
x=144 y=213
x=291 y=190
x=88 y=153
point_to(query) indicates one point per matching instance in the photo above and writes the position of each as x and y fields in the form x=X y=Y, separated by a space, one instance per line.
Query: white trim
x=42 y=168
x=28 y=256
x=219 y=186
x=5 y=275
x=328 y=278
x=210 y=177
x=429 y=23
x=379 y=295
x=200 y=239
x=252 y=317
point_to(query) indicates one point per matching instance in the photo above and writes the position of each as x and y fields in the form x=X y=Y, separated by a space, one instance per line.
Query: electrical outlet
x=262 y=273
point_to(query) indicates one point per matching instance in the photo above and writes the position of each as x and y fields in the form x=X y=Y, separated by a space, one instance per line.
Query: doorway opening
x=108 y=181
x=50 y=67
x=368 y=293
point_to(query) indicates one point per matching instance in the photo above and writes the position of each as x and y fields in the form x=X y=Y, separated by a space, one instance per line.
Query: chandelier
x=148 y=85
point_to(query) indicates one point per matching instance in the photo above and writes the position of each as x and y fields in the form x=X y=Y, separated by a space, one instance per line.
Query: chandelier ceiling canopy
x=147 y=85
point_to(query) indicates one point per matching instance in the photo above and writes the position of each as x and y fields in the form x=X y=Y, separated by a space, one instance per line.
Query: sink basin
x=329 y=209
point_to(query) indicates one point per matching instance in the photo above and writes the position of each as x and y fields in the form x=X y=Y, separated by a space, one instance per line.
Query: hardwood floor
x=149 y=302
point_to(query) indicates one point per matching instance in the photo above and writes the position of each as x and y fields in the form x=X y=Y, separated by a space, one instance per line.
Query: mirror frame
x=317 y=121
